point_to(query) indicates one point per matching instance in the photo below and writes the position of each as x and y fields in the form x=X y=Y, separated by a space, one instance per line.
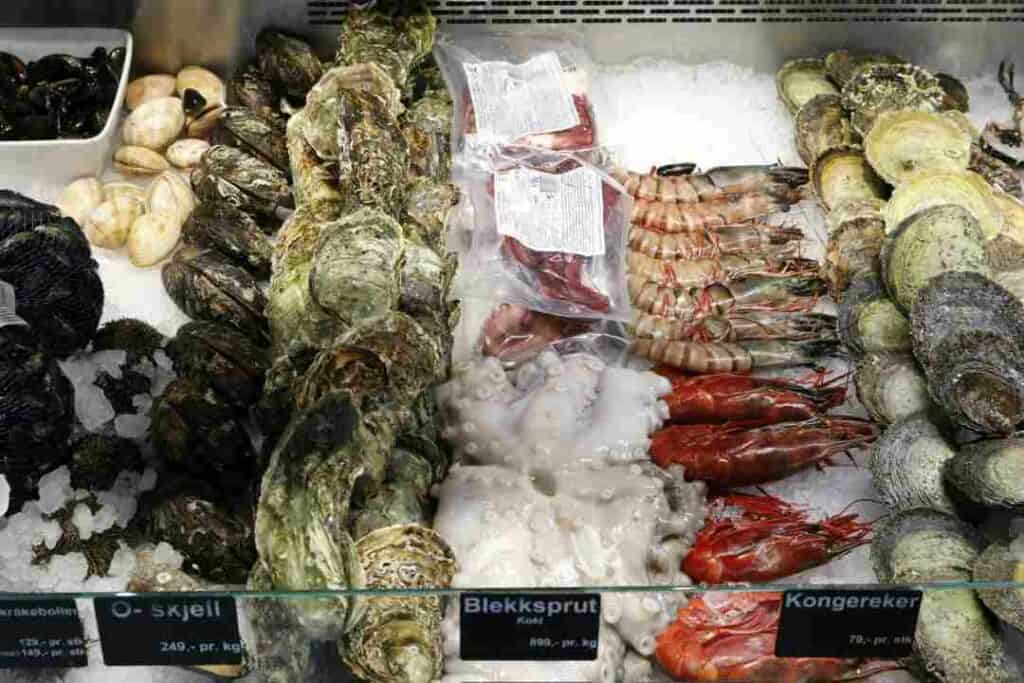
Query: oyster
x=1002 y=562
x=427 y=204
x=231 y=232
x=990 y=473
x=800 y=80
x=843 y=65
x=902 y=143
x=80 y=198
x=399 y=638
x=998 y=173
x=425 y=126
x=282 y=647
x=889 y=87
x=288 y=61
x=906 y=465
x=395 y=42
x=155 y=124
x=967 y=331
x=264 y=138
x=1005 y=251
x=856 y=232
x=97 y=460
x=869 y=322
x=842 y=174
x=250 y=89
x=227 y=359
x=965 y=189
x=226 y=174
x=934 y=240
x=821 y=124
x=206 y=288
x=1012 y=281
x=314 y=180
x=891 y=387
x=405 y=496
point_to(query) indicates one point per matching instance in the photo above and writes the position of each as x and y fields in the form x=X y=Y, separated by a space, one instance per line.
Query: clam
x=821 y=124
x=170 y=194
x=856 y=232
x=155 y=124
x=891 y=387
x=122 y=189
x=264 y=138
x=187 y=153
x=231 y=232
x=230 y=361
x=906 y=465
x=902 y=143
x=289 y=61
x=990 y=473
x=226 y=174
x=800 y=80
x=869 y=322
x=139 y=161
x=153 y=237
x=926 y=189
x=967 y=331
x=79 y=199
x=1003 y=562
x=843 y=65
x=932 y=241
x=109 y=223
x=1006 y=250
x=842 y=174
x=955 y=96
x=889 y=87
x=204 y=82
x=147 y=88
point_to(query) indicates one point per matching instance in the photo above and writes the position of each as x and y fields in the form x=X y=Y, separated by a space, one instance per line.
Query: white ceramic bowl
x=41 y=168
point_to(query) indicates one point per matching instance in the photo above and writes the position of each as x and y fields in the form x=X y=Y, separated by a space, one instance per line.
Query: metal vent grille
x=697 y=11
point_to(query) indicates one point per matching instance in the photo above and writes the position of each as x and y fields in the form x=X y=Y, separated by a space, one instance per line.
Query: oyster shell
x=902 y=143
x=821 y=124
x=889 y=87
x=153 y=237
x=313 y=179
x=843 y=174
x=147 y=88
x=906 y=465
x=856 y=232
x=288 y=61
x=405 y=496
x=869 y=322
x=1001 y=562
x=842 y=65
x=990 y=473
x=139 y=161
x=264 y=138
x=1006 y=250
x=226 y=174
x=155 y=124
x=427 y=205
x=80 y=198
x=224 y=357
x=965 y=189
x=186 y=153
x=110 y=223
x=934 y=240
x=425 y=126
x=206 y=288
x=891 y=387
x=967 y=331
x=231 y=232
x=395 y=42
x=800 y=80
x=250 y=89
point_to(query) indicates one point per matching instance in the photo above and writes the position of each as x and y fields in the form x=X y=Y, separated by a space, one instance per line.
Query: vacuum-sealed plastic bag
x=518 y=88
x=549 y=234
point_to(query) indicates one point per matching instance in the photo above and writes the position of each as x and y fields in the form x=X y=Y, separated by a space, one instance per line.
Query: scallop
x=122 y=189
x=990 y=473
x=889 y=87
x=187 y=153
x=902 y=143
x=800 y=80
x=139 y=161
x=203 y=81
x=906 y=465
x=869 y=321
x=842 y=174
x=892 y=387
x=80 y=198
x=153 y=237
x=110 y=222
x=822 y=123
x=1003 y=562
x=171 y=194
x=155 y=124
x=931 y=188
x=147 y=88
x=856 y=232
x=1005 y=251
x=842 y=65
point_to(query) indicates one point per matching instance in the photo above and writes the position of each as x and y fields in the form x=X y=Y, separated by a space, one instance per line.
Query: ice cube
x=5 y=495
x=132 y=427
x=82 y=518
x=54 y=490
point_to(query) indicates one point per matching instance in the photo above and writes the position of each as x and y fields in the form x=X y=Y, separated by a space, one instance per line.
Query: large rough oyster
x=967 y=335
x=426 y=127
x=926 y=189
x=906 y=465
x=396 y=41
x=856 y=232
x=800 y=80
x=821 y=124
x=843 y=174
x=891 y=387
x=224 y=357
x=998 y=563
x=288 y=61
x=990 y=473
x=869 y=321
x=227 y=174
x=889 y=87
x=232 y=232
x=843 y=65
x=902 y=143
x=427 y=205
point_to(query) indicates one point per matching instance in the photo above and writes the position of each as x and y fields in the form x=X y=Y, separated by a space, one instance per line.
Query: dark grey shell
x=206 y=288
x=227 y=174
x=252 y=133
x=135 y=337
x=288 y=61
x=990 y=473
x=98 y=459
x=224 y=357
x=250 y=89
x=906 y=465
x=967 y=333
x=231 y=232
x=1002 y=562
x=427 y=204
x=403 y=499
x=891 y=387
x=869 y=321
x=920 y=544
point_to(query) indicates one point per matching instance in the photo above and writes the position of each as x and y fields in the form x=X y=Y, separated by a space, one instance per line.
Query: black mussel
x=229 y=360
x=55 y=68
x=265 y=138
x=12 y=70
x=193 y=102
x=233 y=233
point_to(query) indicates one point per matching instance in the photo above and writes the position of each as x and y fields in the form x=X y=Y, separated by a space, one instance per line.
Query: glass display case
x=511 y=340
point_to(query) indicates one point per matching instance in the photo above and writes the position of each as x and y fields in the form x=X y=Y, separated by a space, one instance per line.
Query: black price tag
x=168 y=631
x=40 y=633
x=529 y=626
x=847 y=623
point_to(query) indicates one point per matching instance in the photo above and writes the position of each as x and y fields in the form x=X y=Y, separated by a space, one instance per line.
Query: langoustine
x=738 y=326
x=708 y=357
x=723 y=210
x=745 y=238
x=707 y=271
x=757 y=292
x=677 y=183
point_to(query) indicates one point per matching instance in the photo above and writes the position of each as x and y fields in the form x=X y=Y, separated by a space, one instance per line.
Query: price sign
x=529 y=626
x=40 y=633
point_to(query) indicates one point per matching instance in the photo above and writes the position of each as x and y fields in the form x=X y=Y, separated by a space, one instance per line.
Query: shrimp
x=732 y=398
x=709 y=357
x=768 y=539
x=739 y=327
x=743 y=455
x=704 y=272
x=678 y=183
x=747 y=238
x=784 y=292
x=725 y=210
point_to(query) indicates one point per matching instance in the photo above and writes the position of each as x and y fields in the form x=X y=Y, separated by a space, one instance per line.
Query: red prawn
x=731 y=637
x=767 y=540
x=745 y=453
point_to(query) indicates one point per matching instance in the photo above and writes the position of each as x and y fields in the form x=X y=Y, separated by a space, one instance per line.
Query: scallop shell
x=139 y=161
x=1006 y=250
x=155 y=124
x=930 y=242
x=891 y=387
x=842 y=174
x=203 y=81
x=856 y=232
x=889 y=87
x=906 y=465
x=1002 y=562
x=965 y=189
x=902 y=143
x=171 y=194
x=153 y=237
x=110 y=222
x=923 y=545
x=187 y=153
x=842 y=65
x=990 y=473
x=869 y=321
x=800 y=80
x=147 y=88
x=123 y=189
x=1012 y=281
x=80 y=198
x=821 y=124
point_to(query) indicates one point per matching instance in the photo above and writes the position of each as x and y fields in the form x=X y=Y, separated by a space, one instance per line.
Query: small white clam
x=141 y=90
x=155 y=124
x=204 y=81
x=153 y=237
x=110 y=222
x=139 y=161
x=79 y=199
x=187 y=153
x=122 y=189
x=171 y=194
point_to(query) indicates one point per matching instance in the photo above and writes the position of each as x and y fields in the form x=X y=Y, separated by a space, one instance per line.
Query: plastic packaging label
x=513 y=100
x=7 y=303
x=551 y=212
